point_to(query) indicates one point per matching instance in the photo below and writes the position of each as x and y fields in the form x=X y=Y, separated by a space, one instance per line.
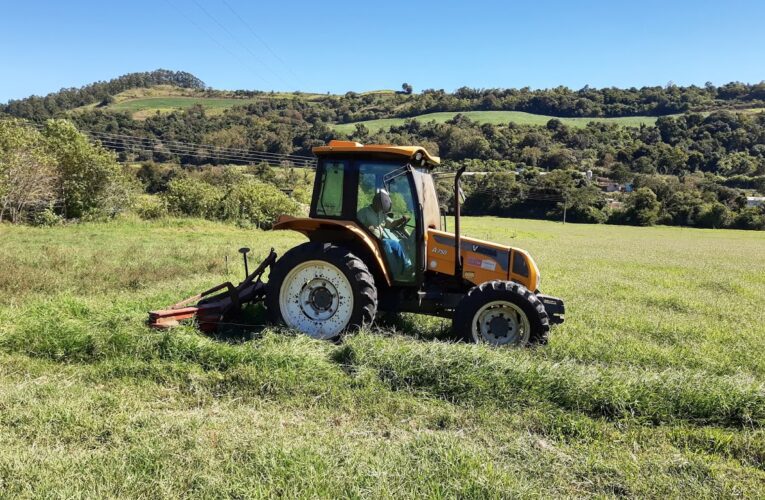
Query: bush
x=715 y=215
x=750 y=218
x=45 y=218
x=155 y=177
x=150 y=207
x=257 y=203
x=192 y=197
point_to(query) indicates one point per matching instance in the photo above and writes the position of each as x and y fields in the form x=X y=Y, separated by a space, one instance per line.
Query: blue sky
x=338 y=46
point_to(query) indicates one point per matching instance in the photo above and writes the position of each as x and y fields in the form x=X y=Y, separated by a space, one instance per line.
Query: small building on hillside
x=755 y=201
x=611 y=186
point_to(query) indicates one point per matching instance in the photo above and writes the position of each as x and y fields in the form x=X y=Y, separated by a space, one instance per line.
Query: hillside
x=144 y=102
x=494 y=118
x=695 y=154
x=620 y=403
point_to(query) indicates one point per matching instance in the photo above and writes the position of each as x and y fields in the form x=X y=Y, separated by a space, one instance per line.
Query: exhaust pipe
x=457 y=242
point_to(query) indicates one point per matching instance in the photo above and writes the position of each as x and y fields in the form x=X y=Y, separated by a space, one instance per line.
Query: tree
x=643 y=208
x=27 y=174
x=738 y=164
x=406 y=88
x=88 y=174
x=493 y=194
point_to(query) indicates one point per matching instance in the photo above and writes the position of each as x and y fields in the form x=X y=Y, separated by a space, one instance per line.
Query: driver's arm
x=396 y=223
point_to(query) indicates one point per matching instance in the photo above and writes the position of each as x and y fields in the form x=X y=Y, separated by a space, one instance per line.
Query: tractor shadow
x=248 y=324
x=426 y=328
x=252 y=320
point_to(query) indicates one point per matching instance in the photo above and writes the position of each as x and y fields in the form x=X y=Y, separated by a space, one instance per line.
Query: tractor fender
x=339 y=231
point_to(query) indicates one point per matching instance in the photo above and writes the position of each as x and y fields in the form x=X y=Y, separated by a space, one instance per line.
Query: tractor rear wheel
x=321 y=290
x=501 y=313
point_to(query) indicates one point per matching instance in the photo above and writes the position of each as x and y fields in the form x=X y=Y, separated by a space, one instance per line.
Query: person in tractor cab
x=375 y=218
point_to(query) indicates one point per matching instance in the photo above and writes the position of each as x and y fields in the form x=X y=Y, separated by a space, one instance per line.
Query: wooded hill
x=695 y=166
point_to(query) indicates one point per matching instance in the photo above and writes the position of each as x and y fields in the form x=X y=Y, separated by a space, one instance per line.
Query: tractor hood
x=482 y=260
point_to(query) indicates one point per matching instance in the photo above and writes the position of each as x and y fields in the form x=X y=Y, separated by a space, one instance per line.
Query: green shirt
x=377 y=222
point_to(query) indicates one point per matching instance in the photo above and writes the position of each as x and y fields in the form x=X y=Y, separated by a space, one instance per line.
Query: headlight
x=538 y=286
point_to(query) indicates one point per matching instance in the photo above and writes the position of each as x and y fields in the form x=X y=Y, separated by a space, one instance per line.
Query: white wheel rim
x=501 y=323
x=317 y=299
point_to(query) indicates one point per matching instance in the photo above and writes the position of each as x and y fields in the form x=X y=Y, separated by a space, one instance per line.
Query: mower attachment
x=210 y=310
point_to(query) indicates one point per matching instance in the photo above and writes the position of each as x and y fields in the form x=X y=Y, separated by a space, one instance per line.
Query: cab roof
x=350 y=147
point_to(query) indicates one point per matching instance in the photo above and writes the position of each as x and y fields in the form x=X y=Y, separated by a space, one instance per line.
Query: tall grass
x=653 y=386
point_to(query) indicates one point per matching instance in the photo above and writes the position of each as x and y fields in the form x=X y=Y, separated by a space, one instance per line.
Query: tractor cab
x=380 y=188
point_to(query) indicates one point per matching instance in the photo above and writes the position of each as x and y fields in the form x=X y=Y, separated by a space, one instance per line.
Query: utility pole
x=565 y=204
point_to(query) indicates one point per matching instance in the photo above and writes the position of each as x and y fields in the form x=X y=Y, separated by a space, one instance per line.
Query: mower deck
x=210 y=310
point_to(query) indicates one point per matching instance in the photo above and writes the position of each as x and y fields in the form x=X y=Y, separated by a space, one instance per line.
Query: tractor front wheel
x=321 y=290
x=501 y=313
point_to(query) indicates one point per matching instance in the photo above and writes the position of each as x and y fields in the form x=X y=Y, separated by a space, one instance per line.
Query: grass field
x=151 y=105
x=144 y=102
x=497 y=117
x=653 y=387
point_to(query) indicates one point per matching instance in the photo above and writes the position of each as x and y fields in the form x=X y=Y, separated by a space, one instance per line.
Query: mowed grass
x=653 y=387
x=495 y=118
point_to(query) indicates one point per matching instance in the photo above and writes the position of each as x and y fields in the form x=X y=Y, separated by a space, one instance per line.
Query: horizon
x=371 y=90
x=233 y=45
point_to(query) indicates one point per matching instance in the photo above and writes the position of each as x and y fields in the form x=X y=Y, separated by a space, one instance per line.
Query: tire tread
x=512 y=291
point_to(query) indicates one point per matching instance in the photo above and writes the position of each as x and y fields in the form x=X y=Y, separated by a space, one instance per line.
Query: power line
x=233 y=37
x=182 y=144
x=261 y=40
x=137 y=147
x=128 y=143
x=200 y=28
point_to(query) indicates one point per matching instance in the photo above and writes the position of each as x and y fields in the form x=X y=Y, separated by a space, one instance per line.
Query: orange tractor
x=376 y=243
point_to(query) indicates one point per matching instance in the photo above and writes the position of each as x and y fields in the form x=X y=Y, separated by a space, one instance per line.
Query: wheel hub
x=501 y=323
x=321 y=298
x=499 y=326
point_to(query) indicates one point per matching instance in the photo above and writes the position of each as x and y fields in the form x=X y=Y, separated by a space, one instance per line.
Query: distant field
x=653 y=388
x=144 y=102
x=172 y=103
x=496 y=117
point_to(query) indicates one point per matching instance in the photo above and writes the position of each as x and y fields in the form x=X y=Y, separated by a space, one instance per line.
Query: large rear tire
x=321 y=290
x=501 y=313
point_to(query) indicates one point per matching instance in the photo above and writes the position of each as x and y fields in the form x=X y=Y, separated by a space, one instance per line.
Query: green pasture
x=654 y=386
x=496 y=118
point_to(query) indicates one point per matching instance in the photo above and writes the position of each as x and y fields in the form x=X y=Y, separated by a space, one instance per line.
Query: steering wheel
x=401 y=231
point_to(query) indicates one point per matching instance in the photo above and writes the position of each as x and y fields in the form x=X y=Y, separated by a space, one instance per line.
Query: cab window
x=329 y=202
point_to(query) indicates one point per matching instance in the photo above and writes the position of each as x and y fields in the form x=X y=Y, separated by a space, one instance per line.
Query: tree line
x=695 y=168
x=350 y=107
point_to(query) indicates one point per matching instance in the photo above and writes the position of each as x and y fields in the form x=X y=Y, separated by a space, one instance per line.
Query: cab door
x=397 y=231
